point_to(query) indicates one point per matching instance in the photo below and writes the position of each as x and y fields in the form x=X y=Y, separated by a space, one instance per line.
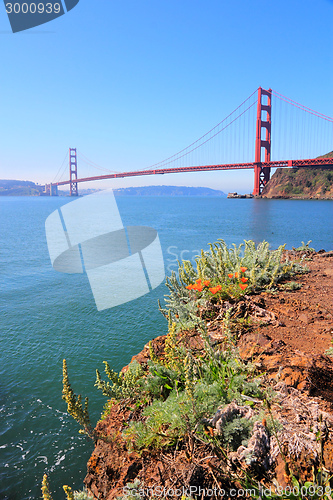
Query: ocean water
x=47 y=316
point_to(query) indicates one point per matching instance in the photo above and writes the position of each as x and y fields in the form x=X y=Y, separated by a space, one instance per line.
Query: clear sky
x=130 y=83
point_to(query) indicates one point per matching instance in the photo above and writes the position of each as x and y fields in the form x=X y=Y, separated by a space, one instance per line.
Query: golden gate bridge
x=238 y=130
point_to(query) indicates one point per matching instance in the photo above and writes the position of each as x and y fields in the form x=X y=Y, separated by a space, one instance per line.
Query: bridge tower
x=53 y=190
x=262 y=174
x=73 y=190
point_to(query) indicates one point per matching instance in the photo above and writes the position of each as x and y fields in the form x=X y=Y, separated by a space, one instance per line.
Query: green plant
x=176 y=393
x=329 y=351
x=165 y=423
x=74 y=405
x=289 y=188
x=319 y=488
x=161 y=380
x=297 y=190
x=174 y=350
x=195 y=389
x=123 y=385
x=304 y=247
x=46 y=489
x=132 y=491
x=137 y=384
x=221 y=268
x=237 y=432
x=292 y=285
x=82 y=495
x=70 y=494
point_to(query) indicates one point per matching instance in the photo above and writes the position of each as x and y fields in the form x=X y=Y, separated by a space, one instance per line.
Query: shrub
x=221 y=267
x=292 y=285
x=123 y=385
x=74 y=405
x=70 y=494
x=175 y=393
x=203 y=384
x=304 y=247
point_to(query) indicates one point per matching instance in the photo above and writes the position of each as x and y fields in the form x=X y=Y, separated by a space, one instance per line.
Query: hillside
x=307 y=183
x=28 y=188
x=168 y=191
x=207 y=424
x=19 y=188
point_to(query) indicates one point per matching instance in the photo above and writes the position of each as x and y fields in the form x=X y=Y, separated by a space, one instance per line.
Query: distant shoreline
x=28 y=188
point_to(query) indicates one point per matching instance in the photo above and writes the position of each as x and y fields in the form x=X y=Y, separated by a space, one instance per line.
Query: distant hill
x=29 y=188
x=19 y=188
x=328 y=155
x=306 y=183
x=168 y=191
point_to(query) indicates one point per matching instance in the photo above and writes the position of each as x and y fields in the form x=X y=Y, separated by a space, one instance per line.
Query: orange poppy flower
x=243 y=269
x=198 y=287
x=215 y=289
x=244 y=280
x=242 y=286
x=190 y=287
x=198 y=281
x=206 y=282
x=230 y=275
x=236 y=275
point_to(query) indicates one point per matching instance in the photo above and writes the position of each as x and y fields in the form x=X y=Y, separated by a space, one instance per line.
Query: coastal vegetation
x=224 y=274
x=29 y=188
x=70 y=494
x=19 y=188
x=300 y=183
x=193 y=395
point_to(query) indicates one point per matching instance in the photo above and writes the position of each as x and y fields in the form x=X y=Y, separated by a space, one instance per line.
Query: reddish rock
x=286 y=339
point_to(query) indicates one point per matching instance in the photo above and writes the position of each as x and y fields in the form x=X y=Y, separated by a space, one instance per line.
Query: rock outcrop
x=284 y=337
x=301 y=183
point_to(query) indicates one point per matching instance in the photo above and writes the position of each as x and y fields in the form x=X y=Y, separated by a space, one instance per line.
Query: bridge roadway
x=311 y=162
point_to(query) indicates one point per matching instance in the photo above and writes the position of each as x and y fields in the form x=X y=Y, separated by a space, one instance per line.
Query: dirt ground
x=292 y=347
x=289 y=334
x=306 y=314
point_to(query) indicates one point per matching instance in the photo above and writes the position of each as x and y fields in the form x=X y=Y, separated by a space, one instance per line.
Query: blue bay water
x=47 y=316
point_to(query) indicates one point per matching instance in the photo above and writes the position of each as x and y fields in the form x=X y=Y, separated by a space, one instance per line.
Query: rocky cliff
x=301 y=183
x=284 y=337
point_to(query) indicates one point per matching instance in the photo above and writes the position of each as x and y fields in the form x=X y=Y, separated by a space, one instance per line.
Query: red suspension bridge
x=294 y=136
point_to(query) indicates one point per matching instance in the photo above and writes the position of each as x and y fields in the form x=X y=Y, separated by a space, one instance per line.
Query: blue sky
x=130 y=83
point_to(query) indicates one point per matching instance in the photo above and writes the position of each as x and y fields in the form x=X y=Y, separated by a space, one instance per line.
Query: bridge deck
x=311 y=162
